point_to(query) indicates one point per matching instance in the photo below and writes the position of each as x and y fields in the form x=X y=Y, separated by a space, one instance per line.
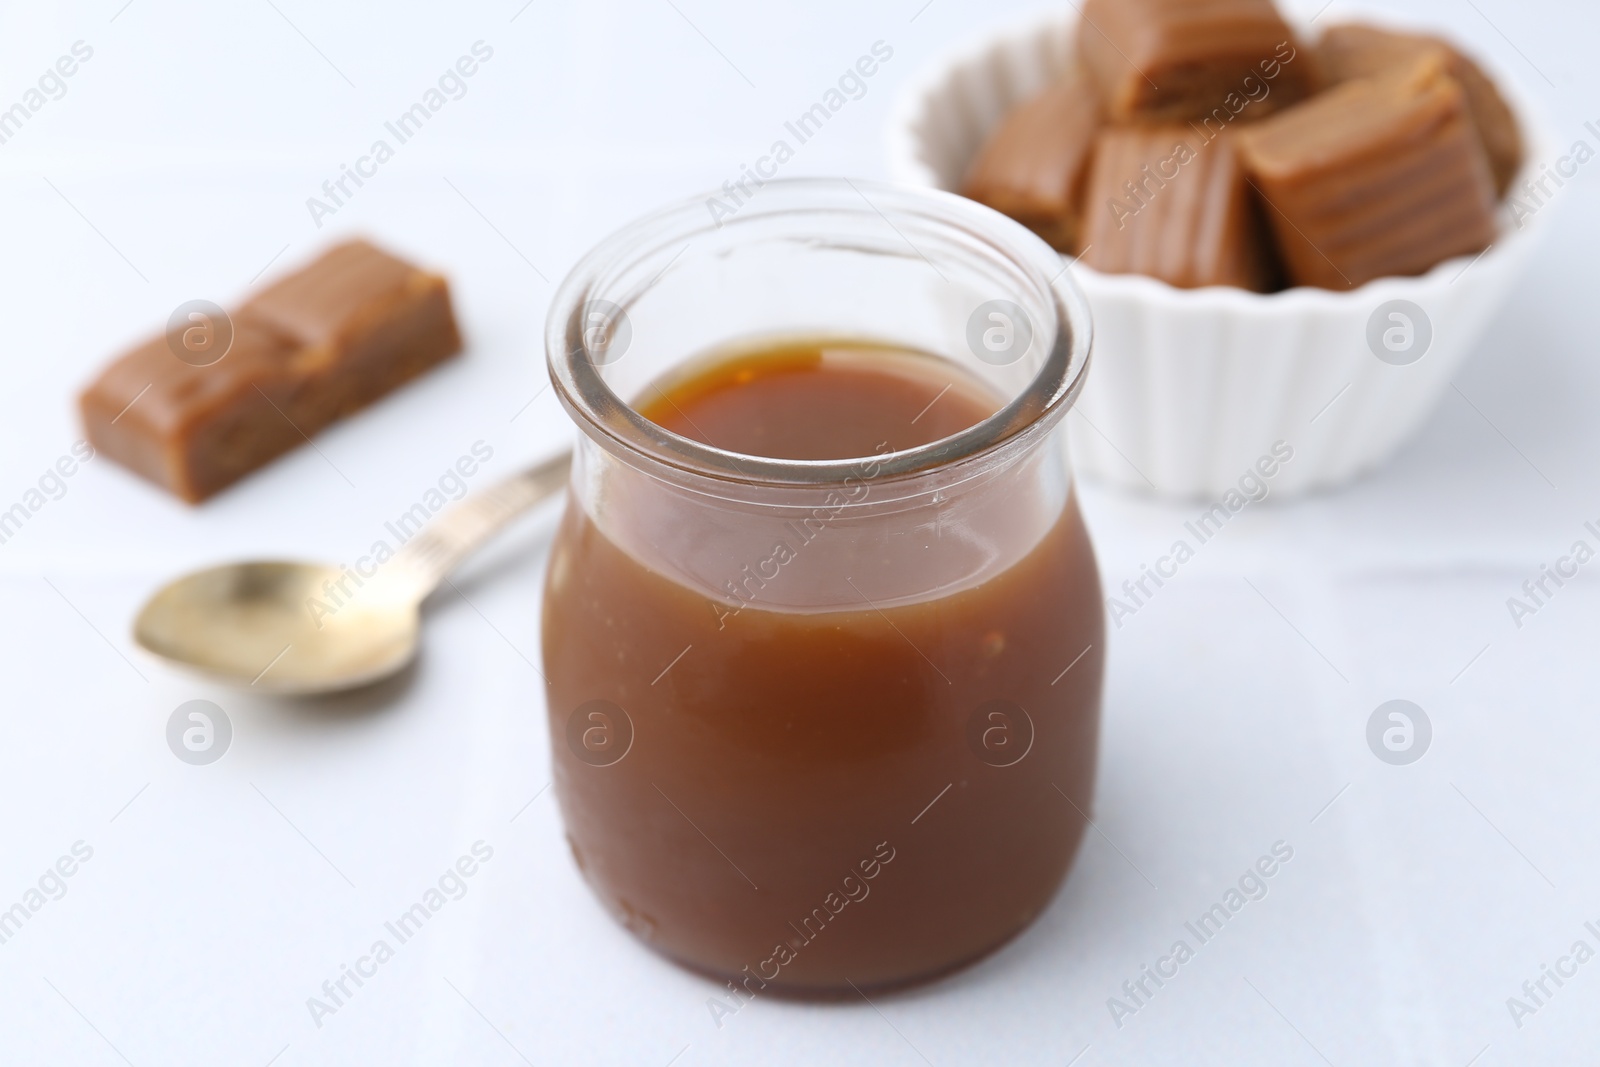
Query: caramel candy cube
x=1378 y=176
x=192 y=430
x=1356 y=50
x=1186 y=59
x=310 y=349
x=1031 y=167
x=1167 y=202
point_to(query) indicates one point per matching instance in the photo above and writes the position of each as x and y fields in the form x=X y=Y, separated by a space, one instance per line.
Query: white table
x=219 y=898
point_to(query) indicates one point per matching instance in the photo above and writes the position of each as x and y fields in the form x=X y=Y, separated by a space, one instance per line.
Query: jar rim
x=1029 y=415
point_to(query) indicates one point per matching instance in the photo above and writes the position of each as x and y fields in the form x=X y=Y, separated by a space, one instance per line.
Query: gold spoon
x=302 y=628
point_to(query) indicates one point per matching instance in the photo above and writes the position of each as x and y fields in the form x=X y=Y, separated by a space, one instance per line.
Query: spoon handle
x=439 y=547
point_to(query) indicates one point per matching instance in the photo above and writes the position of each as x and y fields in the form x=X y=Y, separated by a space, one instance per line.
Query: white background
x=219 y=898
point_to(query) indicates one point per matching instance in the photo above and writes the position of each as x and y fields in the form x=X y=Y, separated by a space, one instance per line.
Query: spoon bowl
x=276 y=627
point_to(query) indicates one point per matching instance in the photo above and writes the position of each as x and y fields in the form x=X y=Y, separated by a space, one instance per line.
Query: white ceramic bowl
x=1189 y=388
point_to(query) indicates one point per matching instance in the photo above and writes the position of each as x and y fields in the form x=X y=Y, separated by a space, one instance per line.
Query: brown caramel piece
x=1188 y=59
x=312 y=348
x=1378 y=176
x=1031 y=167
x=1356 y=50
x=1164 y=201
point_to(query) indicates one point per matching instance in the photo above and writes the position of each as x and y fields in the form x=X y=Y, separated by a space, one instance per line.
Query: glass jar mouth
x=608 y=278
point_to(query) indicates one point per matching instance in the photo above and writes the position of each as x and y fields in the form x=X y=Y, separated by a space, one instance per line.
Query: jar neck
x=890 y=265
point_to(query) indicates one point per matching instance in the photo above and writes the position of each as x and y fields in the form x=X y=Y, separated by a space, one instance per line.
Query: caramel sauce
x=797 y=800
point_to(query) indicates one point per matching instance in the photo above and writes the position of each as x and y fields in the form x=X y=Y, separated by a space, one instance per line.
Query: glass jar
x=822 y=723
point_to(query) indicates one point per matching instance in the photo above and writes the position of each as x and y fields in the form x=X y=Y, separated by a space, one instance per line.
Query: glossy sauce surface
x=799 y=800
x=819 y=401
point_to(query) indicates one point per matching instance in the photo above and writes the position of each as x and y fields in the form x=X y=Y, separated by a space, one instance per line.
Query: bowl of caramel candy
x=1290 y=235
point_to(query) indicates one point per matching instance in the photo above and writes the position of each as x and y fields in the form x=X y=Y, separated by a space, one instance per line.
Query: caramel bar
x=308 y=350
x=1376 y=176
x=1032 y=165
x=1167 y=202
x=1189 y=59
x=1355 y=50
